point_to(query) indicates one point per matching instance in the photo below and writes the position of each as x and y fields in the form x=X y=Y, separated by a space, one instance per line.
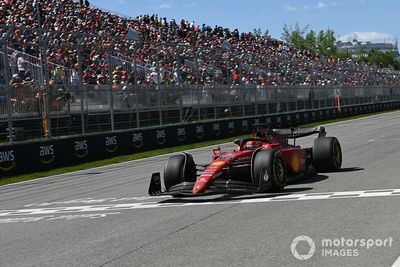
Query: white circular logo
x=310 y=243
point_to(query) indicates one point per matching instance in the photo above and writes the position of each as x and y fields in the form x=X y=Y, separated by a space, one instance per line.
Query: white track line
x=188 y=202
x=396 y=263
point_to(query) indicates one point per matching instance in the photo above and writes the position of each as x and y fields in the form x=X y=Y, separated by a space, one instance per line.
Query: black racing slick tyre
x=269 y=170
x=327 y=154
x=178 y=169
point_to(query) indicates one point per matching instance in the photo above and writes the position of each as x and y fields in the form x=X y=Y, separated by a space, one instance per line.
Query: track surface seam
x=168 y=235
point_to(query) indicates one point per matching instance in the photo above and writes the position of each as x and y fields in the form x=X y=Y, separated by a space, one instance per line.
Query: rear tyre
x=327 y=154
x=178 y=169
x=269 y=170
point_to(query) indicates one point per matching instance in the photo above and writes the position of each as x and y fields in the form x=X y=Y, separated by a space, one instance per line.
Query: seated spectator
x=185 y=51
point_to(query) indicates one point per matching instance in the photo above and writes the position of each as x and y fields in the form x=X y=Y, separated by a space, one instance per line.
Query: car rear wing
x=293 y=133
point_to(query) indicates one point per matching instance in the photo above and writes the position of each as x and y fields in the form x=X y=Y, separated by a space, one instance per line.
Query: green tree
x=257 y=32
x=342 y=54
x=310 y=42
x=295 y=36
x=383 y=59
x=326 y=42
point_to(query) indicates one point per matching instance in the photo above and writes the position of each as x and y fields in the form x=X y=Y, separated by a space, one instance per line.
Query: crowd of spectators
x=169 y=52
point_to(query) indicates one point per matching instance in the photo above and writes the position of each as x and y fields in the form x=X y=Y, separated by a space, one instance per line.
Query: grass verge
x=146 y=154
x=118 y=159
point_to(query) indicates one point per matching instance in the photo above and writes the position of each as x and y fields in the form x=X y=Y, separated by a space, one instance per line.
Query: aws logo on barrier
x=199 y=131
x=245 y=126
x=279 y=120
x=7 y=160
x=137 y=140
x=111 y=144
x=81 y=149
x=217 y=129
x=181 y=133
x=47 y=154
x=231 y=127
x=161 y=137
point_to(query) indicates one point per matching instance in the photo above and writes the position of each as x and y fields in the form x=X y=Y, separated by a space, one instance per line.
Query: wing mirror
x=216 y=150
x=237 y=142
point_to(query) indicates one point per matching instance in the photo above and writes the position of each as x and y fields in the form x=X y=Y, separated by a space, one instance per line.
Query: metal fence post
x=214 y=101
x=230 y=102
x=9 y=114
x=47 y=94
x=47 y=112
x=82 y=106
x=136 y=98
x=198 y=86
x=178 y=82
x=8 y=89
x=198 y=102
x=180 y=94
x=255 y=101
x=267 y=100
x=110 y=81
x=81 y=87
x=137 y=108
x=158 y=90
x=243 y=101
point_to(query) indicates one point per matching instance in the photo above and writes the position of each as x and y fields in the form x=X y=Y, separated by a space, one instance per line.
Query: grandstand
x=251 y=60
x=63 y=56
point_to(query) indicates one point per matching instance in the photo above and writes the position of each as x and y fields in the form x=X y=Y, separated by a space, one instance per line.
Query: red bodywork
x=294 y=157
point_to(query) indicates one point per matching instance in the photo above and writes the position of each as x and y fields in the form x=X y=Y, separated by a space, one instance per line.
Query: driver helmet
x=252 y=144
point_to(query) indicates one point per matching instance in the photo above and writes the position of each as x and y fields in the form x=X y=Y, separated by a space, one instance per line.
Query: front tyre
x=269 y=170
x=327 y=154
x=179 y=168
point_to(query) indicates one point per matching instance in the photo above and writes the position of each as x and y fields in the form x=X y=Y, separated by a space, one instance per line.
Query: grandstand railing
x=33 y=111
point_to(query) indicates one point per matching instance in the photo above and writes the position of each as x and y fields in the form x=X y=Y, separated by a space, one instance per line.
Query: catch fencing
x=33 y=111
x=55 y=84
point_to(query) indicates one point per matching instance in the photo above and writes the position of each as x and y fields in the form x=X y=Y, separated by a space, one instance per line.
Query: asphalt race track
x=103 y=216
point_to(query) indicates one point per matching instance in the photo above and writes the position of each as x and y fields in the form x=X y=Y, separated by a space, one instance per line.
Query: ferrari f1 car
x=264 y=162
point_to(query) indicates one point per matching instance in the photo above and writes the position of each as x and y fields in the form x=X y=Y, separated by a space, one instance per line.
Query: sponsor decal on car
x=296 y=163
x=218 y=163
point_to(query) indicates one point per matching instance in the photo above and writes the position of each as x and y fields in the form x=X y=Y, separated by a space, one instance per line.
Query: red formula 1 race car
x=261 y=163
